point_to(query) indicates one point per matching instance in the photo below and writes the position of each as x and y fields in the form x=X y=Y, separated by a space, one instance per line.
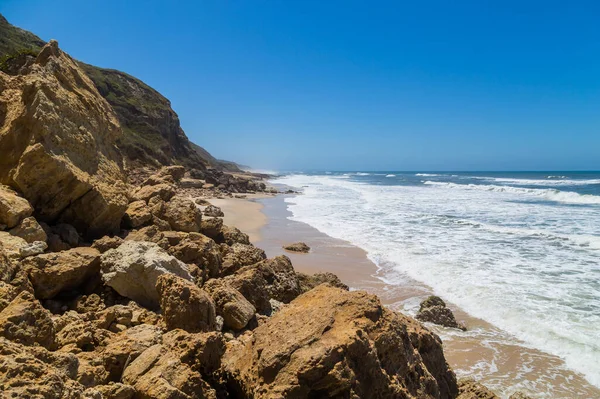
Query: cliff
x=151 y=132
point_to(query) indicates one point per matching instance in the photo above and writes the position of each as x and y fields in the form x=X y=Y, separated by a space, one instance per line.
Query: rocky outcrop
x=308 y=282
x=183 y=214
x=29 y=230
x=213 y=211
x=468 y=388
x=230 y=304
x=238 y=255
x=13 y=208
x=137 y=214
x=134 y=268
x=175 y=368
x=58 y=144
x=197 y=249
x=25 y=321
x=55 y=273
x=434 y=310
x=297 y=247
x=184 y=305
x=334 y=343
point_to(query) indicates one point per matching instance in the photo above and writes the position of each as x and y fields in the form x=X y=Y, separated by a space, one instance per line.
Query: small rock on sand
x=297 y=247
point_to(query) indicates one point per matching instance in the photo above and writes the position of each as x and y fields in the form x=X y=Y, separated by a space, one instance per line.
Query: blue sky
x=347 y=85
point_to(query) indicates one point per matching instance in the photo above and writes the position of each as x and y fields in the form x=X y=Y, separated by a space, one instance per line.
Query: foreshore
x=483 y=352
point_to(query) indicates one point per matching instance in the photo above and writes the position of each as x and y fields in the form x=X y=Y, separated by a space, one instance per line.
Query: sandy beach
x=480 y=352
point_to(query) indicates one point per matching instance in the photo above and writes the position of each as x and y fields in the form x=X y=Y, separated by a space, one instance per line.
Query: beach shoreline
x=502 y=365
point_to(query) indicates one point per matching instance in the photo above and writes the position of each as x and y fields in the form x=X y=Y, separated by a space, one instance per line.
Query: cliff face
x=57 y=140
x=151 y=133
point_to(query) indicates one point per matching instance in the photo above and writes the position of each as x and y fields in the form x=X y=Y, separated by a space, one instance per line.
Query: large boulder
x=57 y=141
x=184 y=305
x=183 y=214
x=434 y=310
x=239 y=255
x=308 y=282
x=13 y=208
x=164 y=191
x=133 y=268
x=175 y=368
x=137 y=214
x=34 y=372
x=213 y=211
x=468 y=388
x=197 y=249
x=25 y=321
x=270 y=279
x=58 y=272
x=29 y=230
x=230 y=303
x=334 y=343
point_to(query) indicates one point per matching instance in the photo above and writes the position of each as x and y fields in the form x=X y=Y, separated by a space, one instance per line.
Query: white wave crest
x=427 y=174
x=390 y=175
x=538 y=182
x=568 y=197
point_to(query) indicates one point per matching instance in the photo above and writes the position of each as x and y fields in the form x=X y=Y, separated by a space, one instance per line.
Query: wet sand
x=484 y=352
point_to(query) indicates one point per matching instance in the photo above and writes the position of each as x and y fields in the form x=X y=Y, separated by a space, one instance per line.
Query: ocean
x=519 y=250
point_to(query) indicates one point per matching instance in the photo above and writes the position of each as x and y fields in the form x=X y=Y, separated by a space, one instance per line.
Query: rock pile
x=434 y=310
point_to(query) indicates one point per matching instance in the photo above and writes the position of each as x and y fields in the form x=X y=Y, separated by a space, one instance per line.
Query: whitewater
x=518 y=250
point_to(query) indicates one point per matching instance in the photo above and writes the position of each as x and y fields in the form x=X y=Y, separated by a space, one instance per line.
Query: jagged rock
x=213 y=211
x=230 y=304
x=232 y=235
x=297 y=247
x=192 y=183
x=25 y=321
x=7 y=294
x=183 y=215
x=87 y=303
x=184 y=305
x=148 y=234
x=115 y=390
x=167 y=174
x=76 y=331
x=434 y=310
x=133 y=268
x=308 y=282
x=174 y=368
x=272 y=278
x=334 y=343
x=198 y=249
x=53 y=273
x=67 y=234
x=238 y=255
x=202 y=201
x=11 y=245
x=163 y=191
x=13 y=208
x=468 y=388
x=29 y=230
x=137 y=214
x=105 y=243
x=34 y=372
x=211 y=227
x=59 y=150
x=35 y=248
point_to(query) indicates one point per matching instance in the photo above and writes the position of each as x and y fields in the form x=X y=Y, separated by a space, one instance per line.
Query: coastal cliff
x=112 y=287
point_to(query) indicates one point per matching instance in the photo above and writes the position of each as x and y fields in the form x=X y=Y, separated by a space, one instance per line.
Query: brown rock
x=198 y=249
x=230 y=304
x=148 y=234
x=297 y=247
x=167 y=174
x=308 y=282
x=238 y=255
x=11 y=245
x=137 y=214
x=232 y=235
x=174 y=368
x=60 y=148
x=213 y=211
x=13 y=208
x=334 y=343
x=25 y=321
x=434 y=310
x=163 y=191
x=29 y=230
x=105 y=243
x=34 y=372
x=468 y=388
x=54 y=273
x=183 y=215
x=116 y=391
x=184 y=305
x=211 y=227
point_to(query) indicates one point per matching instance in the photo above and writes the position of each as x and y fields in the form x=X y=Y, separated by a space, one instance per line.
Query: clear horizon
x=345 y=85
